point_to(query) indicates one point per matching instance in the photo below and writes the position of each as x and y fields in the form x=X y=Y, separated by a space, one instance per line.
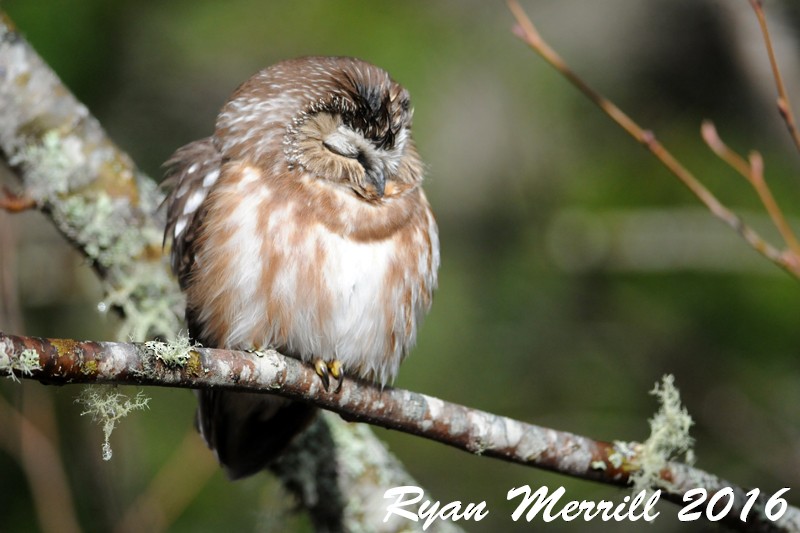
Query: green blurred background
x=575 y=270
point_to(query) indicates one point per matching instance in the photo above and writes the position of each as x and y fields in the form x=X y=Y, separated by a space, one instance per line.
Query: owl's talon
x=258 y=352
x=322 y=371
x=340 y=378
x=326 y=370
x=336 y=371
x=335 y=367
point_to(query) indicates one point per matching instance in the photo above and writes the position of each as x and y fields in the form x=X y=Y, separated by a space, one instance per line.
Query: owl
x=301 y=225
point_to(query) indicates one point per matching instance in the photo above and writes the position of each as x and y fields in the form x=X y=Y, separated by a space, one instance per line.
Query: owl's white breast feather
x=273 y=277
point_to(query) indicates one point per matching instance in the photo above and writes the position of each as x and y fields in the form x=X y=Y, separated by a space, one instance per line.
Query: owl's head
x=336 y=119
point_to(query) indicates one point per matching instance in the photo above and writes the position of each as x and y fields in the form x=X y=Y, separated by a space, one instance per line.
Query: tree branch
x=526 y=31
x=753 y=172
x=97 y=198
x=66 y=361
x=784 y=106
x=91 y=190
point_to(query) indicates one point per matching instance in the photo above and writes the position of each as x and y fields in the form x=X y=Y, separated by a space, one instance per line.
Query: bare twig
x=771 y=205
x=753 y=172
x=709 y=133
x=66 y=361
x=784 y=106
x=526 y=31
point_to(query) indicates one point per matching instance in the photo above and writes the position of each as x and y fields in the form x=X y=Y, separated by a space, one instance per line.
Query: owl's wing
x=191 y=172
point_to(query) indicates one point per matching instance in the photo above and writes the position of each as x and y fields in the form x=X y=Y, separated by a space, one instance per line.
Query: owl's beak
x=377 y=179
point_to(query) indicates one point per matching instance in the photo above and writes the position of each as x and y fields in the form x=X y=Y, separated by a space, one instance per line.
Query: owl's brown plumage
x=300 y=225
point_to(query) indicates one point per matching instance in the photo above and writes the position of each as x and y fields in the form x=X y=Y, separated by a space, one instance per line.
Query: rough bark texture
x=66 y=361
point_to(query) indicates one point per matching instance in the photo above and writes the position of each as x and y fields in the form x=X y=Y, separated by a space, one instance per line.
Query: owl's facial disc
x=349 y=144
x=337 y=152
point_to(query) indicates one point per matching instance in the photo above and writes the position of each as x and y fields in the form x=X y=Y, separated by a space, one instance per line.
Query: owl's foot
x=338 y=372
x=327 y=369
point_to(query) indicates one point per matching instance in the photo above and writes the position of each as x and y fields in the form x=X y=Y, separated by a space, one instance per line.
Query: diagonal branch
x=66 y=361
x=526 y=31
x=93 y=193
x=90 y=189
x=753 y=172
x=784 y=106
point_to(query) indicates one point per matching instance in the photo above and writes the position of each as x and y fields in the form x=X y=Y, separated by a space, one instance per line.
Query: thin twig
x=526 y=31
x=753 y=172
x=767 y=198
x=709 y=134
x=478 y=432
x=784 y=106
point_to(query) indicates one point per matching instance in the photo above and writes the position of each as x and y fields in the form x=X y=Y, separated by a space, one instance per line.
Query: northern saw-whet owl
x=301 y=225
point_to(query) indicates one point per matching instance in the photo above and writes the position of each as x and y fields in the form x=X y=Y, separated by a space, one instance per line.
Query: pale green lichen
x=95 y=222
x=142 y=290
x=28 y=362
x=25 y=363
x=149 y=300
x=363 y=455
x=51 y=165
x=669 y=437
x=105 y=227
x=175 y=353
x=89 y=368
x=622 y=454
x=107 y=408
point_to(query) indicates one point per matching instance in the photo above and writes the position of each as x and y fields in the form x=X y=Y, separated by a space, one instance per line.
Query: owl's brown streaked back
x=192 y=170
x=301 y=225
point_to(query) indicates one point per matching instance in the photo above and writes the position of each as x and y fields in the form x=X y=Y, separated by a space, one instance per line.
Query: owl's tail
x=246 y=430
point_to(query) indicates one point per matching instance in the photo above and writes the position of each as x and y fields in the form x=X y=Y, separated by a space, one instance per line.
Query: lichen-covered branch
x=90 y=189
x=65 y=361
x=71 y=170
